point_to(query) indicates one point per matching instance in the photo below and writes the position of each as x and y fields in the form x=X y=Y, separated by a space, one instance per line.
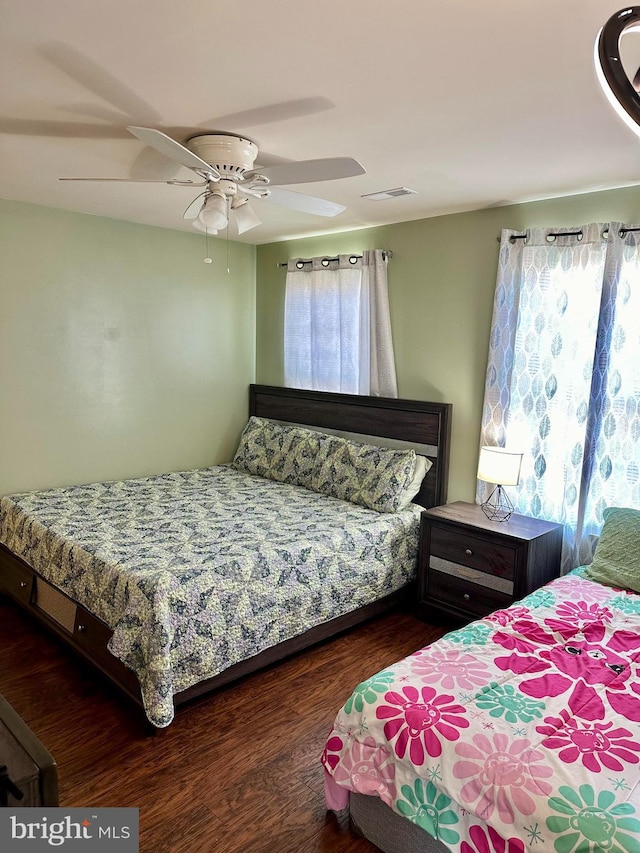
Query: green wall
x=441 y=282
x=121 y=352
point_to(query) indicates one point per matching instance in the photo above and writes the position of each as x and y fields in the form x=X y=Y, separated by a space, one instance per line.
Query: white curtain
x=563 y=375
x=337 y=328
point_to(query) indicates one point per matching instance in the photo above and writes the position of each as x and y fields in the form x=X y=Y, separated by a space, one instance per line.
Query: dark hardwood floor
x=236 y=772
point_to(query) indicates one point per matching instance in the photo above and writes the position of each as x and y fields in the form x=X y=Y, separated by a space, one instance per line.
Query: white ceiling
x=472 y=104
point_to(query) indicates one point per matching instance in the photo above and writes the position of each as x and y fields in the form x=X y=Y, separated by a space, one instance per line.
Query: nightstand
x=469 y=566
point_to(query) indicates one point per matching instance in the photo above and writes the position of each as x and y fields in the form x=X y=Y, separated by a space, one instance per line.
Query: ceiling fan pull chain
x=207 y=260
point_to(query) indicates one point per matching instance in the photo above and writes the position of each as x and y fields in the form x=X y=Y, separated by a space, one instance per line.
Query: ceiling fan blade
x=174 y=150
x=636 y=81
x=309 y=171
x=150 y=163
x=194 y=208
x=302 y=202
x=138 y=181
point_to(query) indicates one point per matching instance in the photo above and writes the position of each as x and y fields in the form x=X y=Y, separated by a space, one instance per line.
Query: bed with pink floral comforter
x=520 y=731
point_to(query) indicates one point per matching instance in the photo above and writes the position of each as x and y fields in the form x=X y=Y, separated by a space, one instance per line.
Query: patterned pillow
x=616 y=561
x=277 y=452
x=364 y=474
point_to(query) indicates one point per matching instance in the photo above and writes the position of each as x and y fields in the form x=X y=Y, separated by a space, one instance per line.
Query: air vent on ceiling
x=384 y=194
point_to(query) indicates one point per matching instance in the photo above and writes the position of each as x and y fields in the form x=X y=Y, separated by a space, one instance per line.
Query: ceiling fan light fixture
x=619 y=90
x=214 y=213
x=199 y=226
x=244 y=215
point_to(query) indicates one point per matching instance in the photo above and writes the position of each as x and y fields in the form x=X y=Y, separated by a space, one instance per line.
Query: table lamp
x=502 y=467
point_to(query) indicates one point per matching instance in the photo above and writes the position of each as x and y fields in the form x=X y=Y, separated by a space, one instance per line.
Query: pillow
x=375 y=477
x=616 y=561
x=286 y=454
x=422 y=466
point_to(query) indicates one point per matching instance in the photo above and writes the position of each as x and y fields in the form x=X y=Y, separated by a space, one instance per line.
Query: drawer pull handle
x=82 y=629
x=468 y=552
x=23 y=584
x=466 y=596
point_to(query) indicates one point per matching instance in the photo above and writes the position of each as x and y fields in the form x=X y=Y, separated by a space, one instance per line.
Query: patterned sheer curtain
x=563 y=375
x=337 y=328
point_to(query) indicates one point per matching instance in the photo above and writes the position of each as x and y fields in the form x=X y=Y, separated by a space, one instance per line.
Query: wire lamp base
x=497 y=506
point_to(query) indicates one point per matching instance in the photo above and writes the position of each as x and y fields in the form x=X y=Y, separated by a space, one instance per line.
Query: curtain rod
x=552 y=234
x=579 y=234
x=386 y=253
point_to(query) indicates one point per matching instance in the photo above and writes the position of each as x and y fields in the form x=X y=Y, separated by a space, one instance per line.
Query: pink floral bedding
x=518 y=732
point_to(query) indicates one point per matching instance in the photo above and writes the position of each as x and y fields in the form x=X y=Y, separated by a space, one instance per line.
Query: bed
x=178 y=583
x=520 y=731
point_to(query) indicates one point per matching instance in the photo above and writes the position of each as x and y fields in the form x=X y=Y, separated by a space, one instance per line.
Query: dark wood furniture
x=424 y=425
x=470 y=566
x=26 y=767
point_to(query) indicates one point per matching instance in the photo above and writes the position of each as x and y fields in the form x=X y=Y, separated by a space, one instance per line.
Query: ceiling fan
x=224 y=162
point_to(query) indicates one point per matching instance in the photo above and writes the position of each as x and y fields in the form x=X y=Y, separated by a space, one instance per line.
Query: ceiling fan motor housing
x=231 y=155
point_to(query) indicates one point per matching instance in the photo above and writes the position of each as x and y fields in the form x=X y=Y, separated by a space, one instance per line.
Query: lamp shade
x=199 y=226
x=497 y=465
x=245 y=217
x=214 y=213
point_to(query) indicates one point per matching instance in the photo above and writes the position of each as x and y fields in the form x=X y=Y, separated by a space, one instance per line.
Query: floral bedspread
x=518 y=732
x=198 y=570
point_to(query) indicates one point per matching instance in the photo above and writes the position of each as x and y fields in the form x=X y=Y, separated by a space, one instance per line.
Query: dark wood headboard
x=427 y=426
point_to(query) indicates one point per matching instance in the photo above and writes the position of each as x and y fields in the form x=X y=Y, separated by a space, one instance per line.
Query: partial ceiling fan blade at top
x=174 y=150
x=310 y=171
x=303 y=203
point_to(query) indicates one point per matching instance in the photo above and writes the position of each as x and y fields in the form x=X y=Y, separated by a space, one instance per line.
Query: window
x=563 y=377
x=337 y=326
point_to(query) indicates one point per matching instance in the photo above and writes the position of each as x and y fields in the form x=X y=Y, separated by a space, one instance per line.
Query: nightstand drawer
x=465 y=596
x=469 y=575
x=457 y=546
